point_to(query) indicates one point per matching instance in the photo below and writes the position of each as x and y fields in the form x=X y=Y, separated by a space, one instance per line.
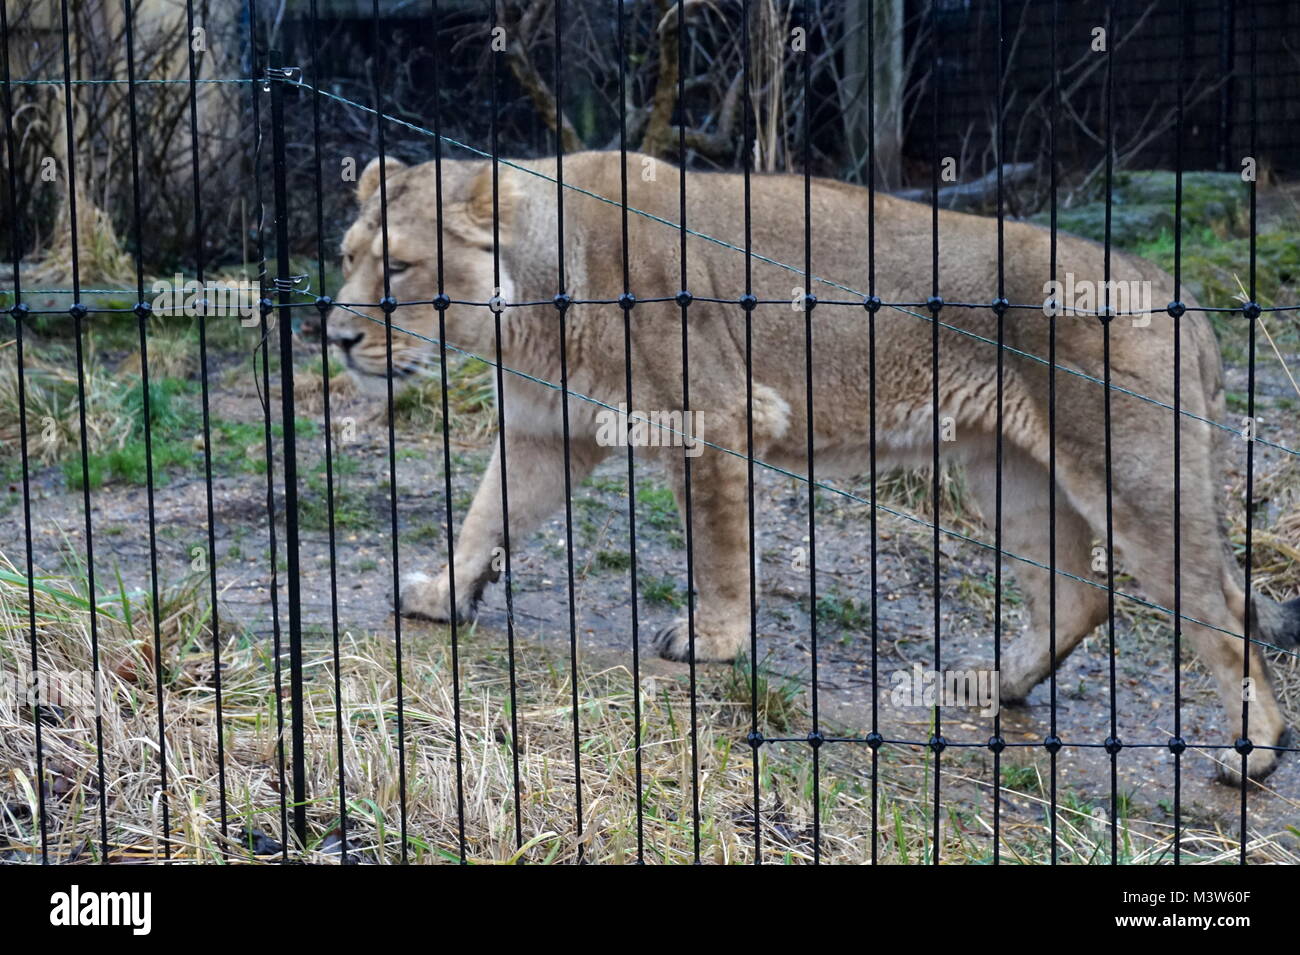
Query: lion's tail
x=1272 y=622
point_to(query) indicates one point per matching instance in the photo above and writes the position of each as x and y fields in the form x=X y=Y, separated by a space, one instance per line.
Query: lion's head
x=356 y=324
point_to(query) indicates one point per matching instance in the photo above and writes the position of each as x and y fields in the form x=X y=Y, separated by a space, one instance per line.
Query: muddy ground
x=364 y=595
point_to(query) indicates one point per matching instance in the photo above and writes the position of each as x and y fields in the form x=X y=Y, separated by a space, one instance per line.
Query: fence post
x=284 y=287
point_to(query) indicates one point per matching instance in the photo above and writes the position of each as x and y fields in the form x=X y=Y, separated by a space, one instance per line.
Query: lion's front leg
x=535 y=470
x=429 y=597
x=720 y=543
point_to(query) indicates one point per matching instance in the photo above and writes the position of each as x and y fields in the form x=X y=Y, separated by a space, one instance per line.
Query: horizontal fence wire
x=267 y=75
x=803 y=478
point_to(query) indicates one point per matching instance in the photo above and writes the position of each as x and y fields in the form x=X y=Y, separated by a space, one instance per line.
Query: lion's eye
x=396 y=266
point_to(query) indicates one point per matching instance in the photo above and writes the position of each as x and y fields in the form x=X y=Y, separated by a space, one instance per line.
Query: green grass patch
x=662 y=590
x=657 y=507
x=843 y=611
x=613 y=560
x=352 y=508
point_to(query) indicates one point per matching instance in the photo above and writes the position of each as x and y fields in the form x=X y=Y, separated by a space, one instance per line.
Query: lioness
x=1141 y=361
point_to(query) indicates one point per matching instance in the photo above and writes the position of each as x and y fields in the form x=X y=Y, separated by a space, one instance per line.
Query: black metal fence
x=275 y=89
x=1212 y=38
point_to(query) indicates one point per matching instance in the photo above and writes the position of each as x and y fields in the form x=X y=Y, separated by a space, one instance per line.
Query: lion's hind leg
x=1080 y=607
x=1142 y=502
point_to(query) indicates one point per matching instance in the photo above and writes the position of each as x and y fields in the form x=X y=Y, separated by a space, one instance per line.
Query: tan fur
x=1141 y=354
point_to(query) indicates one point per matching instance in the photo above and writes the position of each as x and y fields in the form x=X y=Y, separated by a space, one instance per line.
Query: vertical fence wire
x=293 y=574
x=684 y=301
x=142 y=318
x=205 y=393
x=388 y=304
x=1000 y=310
x=78 y=311
x=1251 y=311
x=267 y=77
x=561 y=302
x=1053 y=742
x=19 y=312
x=748 y=302
x=627 y=302
x=1176 y=310
x=872 y=305
x=264 y=312
x=935 y=304
x=323 y=304
x=1113 y=741
x=440 y=303
x=808 y=304
x=501 y=416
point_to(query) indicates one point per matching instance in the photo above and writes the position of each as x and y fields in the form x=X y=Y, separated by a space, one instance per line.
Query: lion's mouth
x=374 y=381
x=400 y=369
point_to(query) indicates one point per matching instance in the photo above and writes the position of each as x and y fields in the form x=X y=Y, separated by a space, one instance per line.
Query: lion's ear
x=480 y=196
x=368 y=184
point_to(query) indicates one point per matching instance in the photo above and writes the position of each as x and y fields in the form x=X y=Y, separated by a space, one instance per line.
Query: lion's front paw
x=428 y=598
x=1024 y=666
x=714 y=643
x=1259 y=762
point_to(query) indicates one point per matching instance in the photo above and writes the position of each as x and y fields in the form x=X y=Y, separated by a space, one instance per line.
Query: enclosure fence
x=273 y=88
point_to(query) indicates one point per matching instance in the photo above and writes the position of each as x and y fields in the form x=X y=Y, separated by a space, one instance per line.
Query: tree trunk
x=888 y=29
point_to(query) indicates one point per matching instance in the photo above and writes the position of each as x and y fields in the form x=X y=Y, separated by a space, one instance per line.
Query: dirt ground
x=845 y=686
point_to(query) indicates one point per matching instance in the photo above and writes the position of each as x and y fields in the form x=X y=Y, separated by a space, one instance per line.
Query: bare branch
x=521 y=65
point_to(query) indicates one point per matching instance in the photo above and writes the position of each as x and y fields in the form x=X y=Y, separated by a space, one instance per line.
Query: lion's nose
x=345 y=339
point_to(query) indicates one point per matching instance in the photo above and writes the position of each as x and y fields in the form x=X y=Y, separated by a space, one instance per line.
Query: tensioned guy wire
x=1106 y=316
x=898 y=306
x=903 y=307
x=563 y=302
x=847 y=495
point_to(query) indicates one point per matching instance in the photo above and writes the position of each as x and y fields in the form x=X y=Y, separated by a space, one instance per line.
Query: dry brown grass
x=1276 y=545
x=370 y=752
x=172 y=354
x=101 y=258
x=53 y=408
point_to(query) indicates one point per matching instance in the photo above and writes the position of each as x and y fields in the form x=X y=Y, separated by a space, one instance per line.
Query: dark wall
x=1217 y=120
